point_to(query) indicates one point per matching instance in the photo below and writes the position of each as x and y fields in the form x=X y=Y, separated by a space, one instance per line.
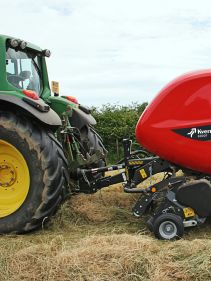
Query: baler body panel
x=177 y=124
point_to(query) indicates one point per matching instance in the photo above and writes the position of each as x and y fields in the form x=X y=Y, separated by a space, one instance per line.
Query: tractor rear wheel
x=33 y=174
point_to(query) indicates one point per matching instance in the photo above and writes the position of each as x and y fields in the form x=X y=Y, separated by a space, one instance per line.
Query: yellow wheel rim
x=14 y=179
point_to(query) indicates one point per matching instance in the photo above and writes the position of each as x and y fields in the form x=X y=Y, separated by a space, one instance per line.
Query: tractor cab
x=23 y=69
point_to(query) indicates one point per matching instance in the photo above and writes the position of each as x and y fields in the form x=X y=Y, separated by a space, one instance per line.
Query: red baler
x=175 y=132
x=177 y=124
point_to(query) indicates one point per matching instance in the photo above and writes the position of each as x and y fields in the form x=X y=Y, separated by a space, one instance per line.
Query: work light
x=47 y=53
x=14 y=43
x=23 y=44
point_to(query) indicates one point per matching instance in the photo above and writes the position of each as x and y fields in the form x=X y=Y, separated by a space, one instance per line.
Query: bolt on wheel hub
x=7 y=175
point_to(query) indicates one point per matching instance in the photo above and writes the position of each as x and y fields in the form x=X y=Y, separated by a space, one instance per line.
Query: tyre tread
x=52 y=161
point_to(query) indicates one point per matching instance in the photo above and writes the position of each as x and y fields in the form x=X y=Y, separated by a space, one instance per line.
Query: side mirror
x=55 y=88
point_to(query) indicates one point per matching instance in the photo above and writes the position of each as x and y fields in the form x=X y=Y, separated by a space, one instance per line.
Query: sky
x=114 y=51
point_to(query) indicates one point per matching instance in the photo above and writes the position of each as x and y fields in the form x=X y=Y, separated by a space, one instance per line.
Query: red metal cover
x=177 y=124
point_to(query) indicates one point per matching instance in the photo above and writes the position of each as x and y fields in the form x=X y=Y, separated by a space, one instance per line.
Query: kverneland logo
x=201 y=133
x=192 y=132
x=198 y=131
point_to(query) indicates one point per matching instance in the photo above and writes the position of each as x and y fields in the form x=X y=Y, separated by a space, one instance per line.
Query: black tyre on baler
x=168 y=226
x=33 y=174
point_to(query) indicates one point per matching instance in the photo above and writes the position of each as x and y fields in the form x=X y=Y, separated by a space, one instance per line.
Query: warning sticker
x=188 y=212
x=143 y=173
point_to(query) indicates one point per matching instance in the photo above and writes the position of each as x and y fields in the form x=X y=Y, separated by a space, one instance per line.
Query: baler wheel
x=168 y=227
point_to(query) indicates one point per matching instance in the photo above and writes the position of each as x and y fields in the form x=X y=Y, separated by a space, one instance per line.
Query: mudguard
x=80 y=115
x=80 y=118
x=38 y=108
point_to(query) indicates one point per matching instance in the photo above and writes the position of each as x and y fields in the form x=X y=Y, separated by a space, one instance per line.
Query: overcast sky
x=115 y=51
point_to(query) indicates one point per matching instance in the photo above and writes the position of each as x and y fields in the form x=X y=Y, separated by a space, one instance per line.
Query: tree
x=116 y=122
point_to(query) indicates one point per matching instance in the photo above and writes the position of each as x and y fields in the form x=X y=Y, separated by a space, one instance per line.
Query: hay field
x=96 y=238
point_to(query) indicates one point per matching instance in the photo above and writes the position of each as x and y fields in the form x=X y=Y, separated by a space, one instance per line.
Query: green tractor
x=44 y=139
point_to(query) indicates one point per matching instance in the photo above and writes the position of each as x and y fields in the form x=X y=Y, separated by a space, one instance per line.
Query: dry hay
x=113 y=257
x=107 y=204
x=80 y=254
x=103 y=205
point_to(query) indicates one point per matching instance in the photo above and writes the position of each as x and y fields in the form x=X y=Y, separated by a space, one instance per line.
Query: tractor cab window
x=24 y=70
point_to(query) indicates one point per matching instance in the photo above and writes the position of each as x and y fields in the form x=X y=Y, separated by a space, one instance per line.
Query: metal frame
x=133 y=171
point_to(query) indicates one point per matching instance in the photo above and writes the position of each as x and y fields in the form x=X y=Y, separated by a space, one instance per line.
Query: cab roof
x=29 y=45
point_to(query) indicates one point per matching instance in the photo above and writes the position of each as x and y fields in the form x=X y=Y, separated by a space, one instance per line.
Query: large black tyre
x=48 y=172
x=92 y=142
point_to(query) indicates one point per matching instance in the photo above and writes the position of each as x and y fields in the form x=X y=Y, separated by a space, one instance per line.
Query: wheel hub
x=168 y=229
x=7 y=175
x=14 y=179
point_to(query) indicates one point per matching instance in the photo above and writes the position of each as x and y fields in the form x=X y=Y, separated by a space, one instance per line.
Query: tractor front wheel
x=33 y=174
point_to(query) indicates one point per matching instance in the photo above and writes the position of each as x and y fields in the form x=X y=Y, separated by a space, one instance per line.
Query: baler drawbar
x=135 y=170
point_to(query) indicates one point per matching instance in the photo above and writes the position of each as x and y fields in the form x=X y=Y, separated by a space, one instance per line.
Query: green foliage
x=116 y=122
